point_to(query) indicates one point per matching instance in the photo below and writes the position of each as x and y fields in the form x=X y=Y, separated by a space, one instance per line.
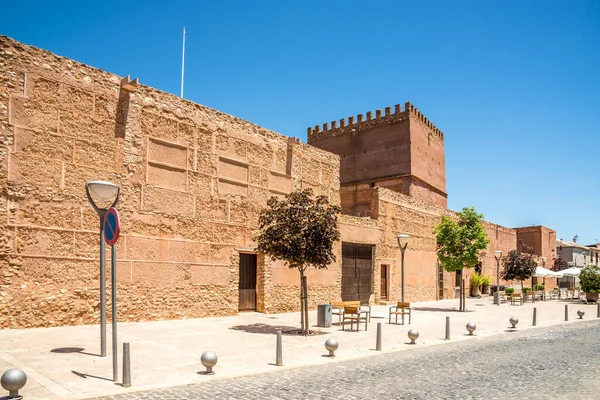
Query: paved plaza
x=63 y=362
x=559 y=362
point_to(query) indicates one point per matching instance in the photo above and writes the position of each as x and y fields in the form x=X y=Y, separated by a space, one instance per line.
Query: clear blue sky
x=514 y=85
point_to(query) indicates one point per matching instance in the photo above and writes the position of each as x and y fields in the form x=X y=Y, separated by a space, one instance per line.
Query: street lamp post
x=402 y=243
x=104 y=191
x=498 y=256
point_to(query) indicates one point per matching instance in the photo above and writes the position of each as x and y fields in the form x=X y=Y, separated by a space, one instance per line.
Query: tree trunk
x=301 y=304
x=302 y=295
x=460 y=294
x=306 y=325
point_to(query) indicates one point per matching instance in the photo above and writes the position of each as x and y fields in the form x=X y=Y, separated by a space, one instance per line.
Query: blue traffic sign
x=112 y=226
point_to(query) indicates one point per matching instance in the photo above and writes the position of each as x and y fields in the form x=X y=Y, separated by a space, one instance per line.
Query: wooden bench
x=337 y=308
x=402 y=308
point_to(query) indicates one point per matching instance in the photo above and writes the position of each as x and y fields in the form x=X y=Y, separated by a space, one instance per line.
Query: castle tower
x=402 y=151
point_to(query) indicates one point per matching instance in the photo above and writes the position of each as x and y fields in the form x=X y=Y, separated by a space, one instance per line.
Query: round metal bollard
x=471 y=328
x=514 y=321
x=331 y=345
x=13 y=380
x=209 y=360
x=413 y=335
x=581 y=313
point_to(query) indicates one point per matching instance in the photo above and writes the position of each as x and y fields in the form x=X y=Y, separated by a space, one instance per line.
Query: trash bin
x=324 y=315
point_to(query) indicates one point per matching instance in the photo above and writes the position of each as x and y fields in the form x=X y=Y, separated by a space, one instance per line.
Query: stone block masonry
x=193 y=181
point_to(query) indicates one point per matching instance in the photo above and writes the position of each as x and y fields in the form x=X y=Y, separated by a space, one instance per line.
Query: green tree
x=590 y=279
x=301 y=231
x=518 y=266
x=460 y=242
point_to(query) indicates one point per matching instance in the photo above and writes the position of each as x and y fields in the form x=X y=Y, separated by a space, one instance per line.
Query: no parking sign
x=112 y=226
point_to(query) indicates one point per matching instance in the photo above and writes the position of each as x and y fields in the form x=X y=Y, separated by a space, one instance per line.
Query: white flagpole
x=182 y=62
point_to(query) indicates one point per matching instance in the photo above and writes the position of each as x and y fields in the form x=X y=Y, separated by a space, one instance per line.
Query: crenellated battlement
x=354 y=125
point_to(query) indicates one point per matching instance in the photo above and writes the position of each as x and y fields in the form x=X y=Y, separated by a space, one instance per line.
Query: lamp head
x=103 y=191
x=498 y=254
x=402 y=239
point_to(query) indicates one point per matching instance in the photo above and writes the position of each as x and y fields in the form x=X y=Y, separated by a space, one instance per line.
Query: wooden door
x=357 y=272
x=384 y=282
x=247 y=285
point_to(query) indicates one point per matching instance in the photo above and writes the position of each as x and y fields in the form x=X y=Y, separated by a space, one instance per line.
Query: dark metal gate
x=247 y=282
x=357 y=269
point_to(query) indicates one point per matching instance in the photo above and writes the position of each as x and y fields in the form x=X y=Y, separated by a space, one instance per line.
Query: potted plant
x=509 y=290
x=475 y=283
x=540 y=287
x=485 y=284
x=525 y=290
x=590 y=282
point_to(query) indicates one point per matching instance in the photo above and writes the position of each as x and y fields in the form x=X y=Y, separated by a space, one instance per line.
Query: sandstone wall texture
x=192 y=179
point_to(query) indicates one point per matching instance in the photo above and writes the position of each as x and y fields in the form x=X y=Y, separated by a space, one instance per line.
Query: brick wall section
x=542 y=241
x=193 y=181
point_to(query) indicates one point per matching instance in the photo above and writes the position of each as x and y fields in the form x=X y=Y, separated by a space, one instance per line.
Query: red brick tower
x=402 y=151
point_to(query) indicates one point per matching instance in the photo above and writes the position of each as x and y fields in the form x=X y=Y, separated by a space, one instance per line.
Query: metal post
x=378 y=344
x=566 y=312
x=534 y=316
x=126 y=366
x=402 y=248
x=464 y=294
x=497 y=298
x=102 y=212
x=598 y=312
x=447 y=329
x=279 y=351
x=113 y=287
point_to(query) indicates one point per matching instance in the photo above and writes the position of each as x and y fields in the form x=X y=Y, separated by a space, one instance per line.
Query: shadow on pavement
x=272 y=329
x=85 y=376
x=66 y=350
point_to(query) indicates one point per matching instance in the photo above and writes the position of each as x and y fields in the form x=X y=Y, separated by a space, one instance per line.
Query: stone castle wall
x=192 y=179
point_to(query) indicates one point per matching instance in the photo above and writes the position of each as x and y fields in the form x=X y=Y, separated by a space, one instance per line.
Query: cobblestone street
x=549 y=363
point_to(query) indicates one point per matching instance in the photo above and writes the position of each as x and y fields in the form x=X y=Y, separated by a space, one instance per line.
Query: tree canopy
x=459 y=243
x=299 y=230
x=518 y=266
x=559 y=264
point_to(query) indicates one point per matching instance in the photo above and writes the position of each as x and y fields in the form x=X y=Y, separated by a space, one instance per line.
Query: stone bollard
x=413 y=335
x=279 y=350
x=447 y=329
x=209 y=360
x=514 y=321
x=13 y=380
x=378 y=343
x=126 y=365
x=471 y=328
x=331 y=345
x=581 y=313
